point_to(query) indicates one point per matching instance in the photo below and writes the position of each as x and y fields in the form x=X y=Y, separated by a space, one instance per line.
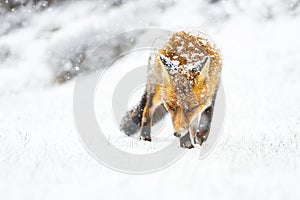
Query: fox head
x=184 y=92
x=189 y=70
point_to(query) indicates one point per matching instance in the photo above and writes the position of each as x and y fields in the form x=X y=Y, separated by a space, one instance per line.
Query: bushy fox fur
x=183 y=79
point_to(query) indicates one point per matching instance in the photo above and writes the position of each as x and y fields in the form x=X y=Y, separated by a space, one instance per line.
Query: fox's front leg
x=153 y=101
x=200 y=131
x=204 y=126
x=146 y=123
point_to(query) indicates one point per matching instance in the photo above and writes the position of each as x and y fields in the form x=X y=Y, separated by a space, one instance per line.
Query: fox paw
x=145 y=133
x=145 y=138
x=200 y=137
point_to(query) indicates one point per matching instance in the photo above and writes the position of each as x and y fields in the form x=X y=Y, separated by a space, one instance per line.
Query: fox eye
x=171 y=107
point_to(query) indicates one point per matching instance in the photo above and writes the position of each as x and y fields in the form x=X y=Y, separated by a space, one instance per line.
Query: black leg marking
x=204 y=124
x=146 y=133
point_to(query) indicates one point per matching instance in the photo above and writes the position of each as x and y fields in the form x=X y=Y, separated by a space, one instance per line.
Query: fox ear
x=168 y=64
x=203 y=67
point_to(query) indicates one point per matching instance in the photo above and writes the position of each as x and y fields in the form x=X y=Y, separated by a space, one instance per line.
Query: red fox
x=183 y=81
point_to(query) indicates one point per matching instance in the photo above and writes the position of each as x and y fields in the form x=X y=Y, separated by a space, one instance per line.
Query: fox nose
x=176 y=134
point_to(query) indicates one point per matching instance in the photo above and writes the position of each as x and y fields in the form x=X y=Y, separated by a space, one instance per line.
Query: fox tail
x=131 y=122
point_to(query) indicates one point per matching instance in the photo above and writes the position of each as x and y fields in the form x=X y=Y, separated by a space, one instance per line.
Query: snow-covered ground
x=258 y=156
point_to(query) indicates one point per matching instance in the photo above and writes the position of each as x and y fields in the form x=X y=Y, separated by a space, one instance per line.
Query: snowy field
x=258 y=155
